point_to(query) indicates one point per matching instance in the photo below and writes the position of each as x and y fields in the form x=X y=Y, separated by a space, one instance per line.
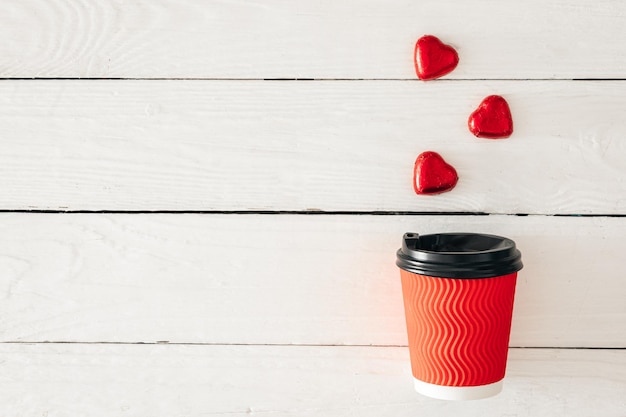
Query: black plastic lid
x=458 y=255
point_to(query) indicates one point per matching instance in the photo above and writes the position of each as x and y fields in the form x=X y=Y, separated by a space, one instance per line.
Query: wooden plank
x=285 y=279
x=155 y=380
x=336 y=146
x=321 y=39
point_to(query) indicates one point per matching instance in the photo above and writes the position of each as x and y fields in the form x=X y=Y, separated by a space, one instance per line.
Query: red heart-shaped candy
x=433 y=58
x=433 y=175
x=492 y=119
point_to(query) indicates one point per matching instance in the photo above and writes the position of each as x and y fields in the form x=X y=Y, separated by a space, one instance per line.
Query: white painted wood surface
x=236 y=296
x=159 y=380
x=305 y=39
x=285 y=279
x=347 y=146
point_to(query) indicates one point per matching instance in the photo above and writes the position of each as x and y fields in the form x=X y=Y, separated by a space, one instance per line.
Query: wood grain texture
x=285 y=279
x=135 y=380
x=276 y=314
x=336 y=146
x=321 y=39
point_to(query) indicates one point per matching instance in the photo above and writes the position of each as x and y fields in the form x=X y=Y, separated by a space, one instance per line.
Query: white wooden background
x=200 y=202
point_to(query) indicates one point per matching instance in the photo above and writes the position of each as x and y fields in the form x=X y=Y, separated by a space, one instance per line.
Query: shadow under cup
x=458 y=291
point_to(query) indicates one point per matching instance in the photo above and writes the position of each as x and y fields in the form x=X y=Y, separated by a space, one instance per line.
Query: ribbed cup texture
x=458 y=328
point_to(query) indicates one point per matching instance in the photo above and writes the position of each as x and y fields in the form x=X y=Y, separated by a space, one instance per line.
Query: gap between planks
x=165 y=342
x=299 y=79
x=303 y=213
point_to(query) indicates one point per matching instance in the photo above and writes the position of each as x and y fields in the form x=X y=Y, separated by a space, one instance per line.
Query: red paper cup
x=458 y=291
